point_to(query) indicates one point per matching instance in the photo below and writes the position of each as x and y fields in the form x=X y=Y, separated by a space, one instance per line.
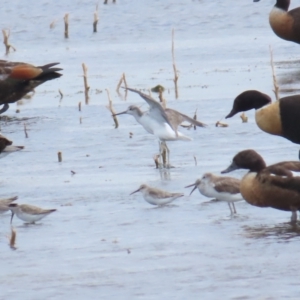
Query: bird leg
x=4 y=108
x=165 y=154
x=233 y=206
x=231 y=211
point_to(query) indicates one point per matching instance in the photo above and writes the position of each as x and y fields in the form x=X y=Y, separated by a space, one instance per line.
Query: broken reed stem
x=96 y=19
x=125 y=83
x=86 y=87
x=66 y=20
x=164 y=156
x=6 y=34
x=174 y=67
x=59 y=155
x=80 y=120
x=25 y=131
x=276 y=87
x=111 y=109
x=12 y=240
x=156 y=161
x=61 y=95
x=52 y=24
x=79 y=106
x=195 y=118
x=195 y=159
x=244 y=118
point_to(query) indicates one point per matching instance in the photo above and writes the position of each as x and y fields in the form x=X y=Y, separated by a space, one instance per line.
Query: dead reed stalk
x=174 y=67
x=25 y=131
x=195 y=118
x=96 y=19
x=244 y=118
x=111 y=109
x=156 y=160
x=79 y=106
x=86 y=87
x=12 y=240
x=276 y=87
x=195 y=159
x=66 y=20
x=61 y=95
x=6 y=34
x=59 y=155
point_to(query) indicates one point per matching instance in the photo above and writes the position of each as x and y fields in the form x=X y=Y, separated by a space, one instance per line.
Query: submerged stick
x=111 y=109
x=12 y=240
x=96 y=19
x=6 y=35
x=25 y=131
x=174 y=67
x=195 y=118
x=79 y=106
x=61 y=95
x=276 y=87
x=156 y=160
x=86 y=87
x=66 y=20
x=59 y=155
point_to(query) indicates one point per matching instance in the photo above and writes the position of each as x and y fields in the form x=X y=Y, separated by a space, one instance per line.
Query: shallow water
x=102 y=242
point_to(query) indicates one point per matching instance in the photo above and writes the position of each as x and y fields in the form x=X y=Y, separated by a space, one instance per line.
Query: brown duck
x=285 y=24
x=17 y=79
x=274 y=186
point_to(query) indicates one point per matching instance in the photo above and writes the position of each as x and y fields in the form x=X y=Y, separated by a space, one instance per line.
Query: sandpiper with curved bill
x=156 y=196
x=28 y=213
x=220 y=187
x=5 y=202
x=163 y=123
x=6 y=146
x=17 y=79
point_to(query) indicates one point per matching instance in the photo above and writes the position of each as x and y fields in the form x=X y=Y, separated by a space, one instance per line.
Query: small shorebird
x=156 y=196
x=5 y=202
x=6 y=146
x=222 y=188
x=17 y=79
x=280 y=118
x=274 y=186
x=163 y=123
x=284 y=23
x=28 y=213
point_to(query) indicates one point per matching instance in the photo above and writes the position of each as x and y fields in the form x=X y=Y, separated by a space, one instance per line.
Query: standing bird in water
x=17 y=79
x=285 y=24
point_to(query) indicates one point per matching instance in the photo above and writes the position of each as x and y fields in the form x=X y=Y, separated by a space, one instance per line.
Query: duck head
x=249 y=100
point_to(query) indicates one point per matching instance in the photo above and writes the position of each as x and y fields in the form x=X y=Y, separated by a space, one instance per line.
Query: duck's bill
x=121 y=113
x=231 y=114
x=194 y=185
x=231 y=168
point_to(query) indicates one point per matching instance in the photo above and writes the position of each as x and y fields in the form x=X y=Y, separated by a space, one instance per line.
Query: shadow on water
x=283 y=232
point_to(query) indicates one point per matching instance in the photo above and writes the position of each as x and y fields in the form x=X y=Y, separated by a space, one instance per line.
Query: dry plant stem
x=164 y=156
x=276 y=87
x=52 y=24
x=80 y=120
x=125 y=83
x=119 y=85
x=220 y=124
x=195 y=159
x=59 y=155
x=95 y=23
x=12 y=240
x=174 y=67
x=61 y=95
x=195 y=118
x=66 y=20
x=244 y=118
x=86 y=87
x=156 y=161
x=6 y=35
x=25 y=131
x=79 y=106
x=110 y=107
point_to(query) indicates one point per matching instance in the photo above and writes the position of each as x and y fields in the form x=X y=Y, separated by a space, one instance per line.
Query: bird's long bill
x=12 y=215
x=231 y=114
x=121 y=113
x=231 y=168
x=194 y=185
x=135 y=191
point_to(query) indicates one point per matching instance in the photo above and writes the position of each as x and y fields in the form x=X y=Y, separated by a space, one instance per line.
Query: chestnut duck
x=274 y=186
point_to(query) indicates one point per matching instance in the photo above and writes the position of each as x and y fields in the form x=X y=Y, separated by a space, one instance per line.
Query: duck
x=274 y=186
x=18 y=78
x=281 y=118
x=156 y=196
x=6 y=146
x=222 y=188
x=284 y=23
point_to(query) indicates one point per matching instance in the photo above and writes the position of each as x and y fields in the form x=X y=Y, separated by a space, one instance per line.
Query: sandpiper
x=17 y=79
x=163 y=123
x=222 y=188
x=28 y=213
x=5 y=202
x=156 y=196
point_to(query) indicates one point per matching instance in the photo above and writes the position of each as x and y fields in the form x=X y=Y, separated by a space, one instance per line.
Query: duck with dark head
x=278 y=118
x=274 y=186
x=285 y=24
